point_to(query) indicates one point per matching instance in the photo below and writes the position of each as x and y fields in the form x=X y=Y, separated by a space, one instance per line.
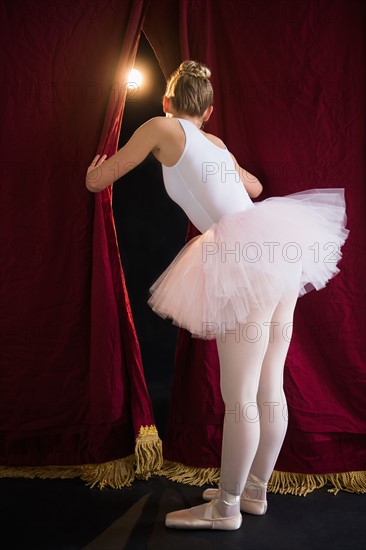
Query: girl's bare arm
x=141 y=143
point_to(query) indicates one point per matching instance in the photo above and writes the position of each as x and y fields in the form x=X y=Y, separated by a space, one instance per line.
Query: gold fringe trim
x=146 y=461
x=280 y=482
x=116 y=473
x=302 y=484
x=352 y=482
x=190 y=475
x=43 y=472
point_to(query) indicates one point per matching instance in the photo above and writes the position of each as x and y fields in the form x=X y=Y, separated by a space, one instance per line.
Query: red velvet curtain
x=289 y=85
x=72 y=385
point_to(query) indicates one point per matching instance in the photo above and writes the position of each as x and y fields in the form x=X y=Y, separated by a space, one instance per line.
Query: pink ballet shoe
x=249 y=505
x=211 y=519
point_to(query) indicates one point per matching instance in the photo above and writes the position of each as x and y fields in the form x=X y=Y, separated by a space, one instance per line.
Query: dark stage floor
x=66 y=515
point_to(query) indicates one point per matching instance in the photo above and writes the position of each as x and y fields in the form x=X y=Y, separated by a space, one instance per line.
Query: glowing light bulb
x=135 y=79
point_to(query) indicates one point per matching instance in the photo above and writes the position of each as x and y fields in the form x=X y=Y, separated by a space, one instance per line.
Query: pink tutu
x=250 y=259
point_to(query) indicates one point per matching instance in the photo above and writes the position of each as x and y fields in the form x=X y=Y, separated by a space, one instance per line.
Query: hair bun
x=189 y=89
x=193 y=68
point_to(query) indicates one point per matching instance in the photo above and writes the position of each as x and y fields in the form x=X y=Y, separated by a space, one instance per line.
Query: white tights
x=251 y=368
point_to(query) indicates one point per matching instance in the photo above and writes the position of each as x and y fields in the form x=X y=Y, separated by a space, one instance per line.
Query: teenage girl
x=237 y=282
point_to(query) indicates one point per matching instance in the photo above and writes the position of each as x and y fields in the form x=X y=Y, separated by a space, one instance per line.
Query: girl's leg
x=241 y=354
x=271 y=398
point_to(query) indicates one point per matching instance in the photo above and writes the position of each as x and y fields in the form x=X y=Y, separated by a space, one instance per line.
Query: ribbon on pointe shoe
x=249 y=505
x=204 y=516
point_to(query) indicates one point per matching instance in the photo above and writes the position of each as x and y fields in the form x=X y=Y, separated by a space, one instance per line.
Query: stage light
x=134 y=80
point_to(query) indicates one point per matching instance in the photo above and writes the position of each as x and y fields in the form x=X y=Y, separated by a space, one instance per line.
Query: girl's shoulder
x=216 y=140
x=161 y=124
x=168 y=128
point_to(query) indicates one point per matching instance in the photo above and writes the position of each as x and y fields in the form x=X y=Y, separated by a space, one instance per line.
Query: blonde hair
x=190 y=89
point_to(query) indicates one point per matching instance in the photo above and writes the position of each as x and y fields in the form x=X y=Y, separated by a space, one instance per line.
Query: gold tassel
x=190 y=475
x=148 y=452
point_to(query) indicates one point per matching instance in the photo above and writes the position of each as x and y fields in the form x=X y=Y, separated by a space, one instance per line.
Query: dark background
x=151 y=230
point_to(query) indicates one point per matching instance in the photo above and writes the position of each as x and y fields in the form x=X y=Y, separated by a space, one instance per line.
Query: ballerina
x=238 y=282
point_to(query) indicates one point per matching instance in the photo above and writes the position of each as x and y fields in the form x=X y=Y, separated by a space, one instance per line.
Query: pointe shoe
x=249 y=505
x=186 y=519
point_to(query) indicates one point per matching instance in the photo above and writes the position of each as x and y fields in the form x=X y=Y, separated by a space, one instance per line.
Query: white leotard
x=204 y=182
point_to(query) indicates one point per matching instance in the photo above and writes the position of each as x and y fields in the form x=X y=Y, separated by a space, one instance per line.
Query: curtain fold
x=289 y=103
x=74 y=400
